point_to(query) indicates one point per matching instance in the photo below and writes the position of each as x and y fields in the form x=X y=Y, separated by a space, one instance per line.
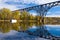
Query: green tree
x=24 y=15
x=15 y=26
x=5 y=13
x=16 y=15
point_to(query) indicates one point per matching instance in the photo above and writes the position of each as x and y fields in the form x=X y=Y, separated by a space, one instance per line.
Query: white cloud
x=34 y=14
x=8 y=6
x=13 y=7
x=33 y=1
x=44 y=1
x=52 y=15
x=3 y=5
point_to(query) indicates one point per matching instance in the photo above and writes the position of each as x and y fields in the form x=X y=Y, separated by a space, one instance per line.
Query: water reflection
x=32 y=28
x=19 y=26
x=7 y=26
x=54 y=30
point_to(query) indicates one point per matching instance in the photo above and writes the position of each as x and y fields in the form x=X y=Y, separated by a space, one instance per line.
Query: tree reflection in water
x=5 y=27
x=19 y=26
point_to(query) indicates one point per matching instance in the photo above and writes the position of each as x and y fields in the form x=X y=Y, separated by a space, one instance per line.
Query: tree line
x=6 y=14
x=5 y=27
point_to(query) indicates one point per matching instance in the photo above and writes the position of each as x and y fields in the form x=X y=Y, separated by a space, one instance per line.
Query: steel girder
x=42 y=9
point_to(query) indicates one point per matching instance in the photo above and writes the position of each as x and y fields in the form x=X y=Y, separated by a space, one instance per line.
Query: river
x=28 y=31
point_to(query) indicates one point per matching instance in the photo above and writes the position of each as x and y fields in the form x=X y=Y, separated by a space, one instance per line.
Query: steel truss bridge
x=42 y=11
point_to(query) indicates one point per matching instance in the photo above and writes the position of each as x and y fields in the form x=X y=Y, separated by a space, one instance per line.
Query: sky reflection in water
x=11 y=30
x=54 y=30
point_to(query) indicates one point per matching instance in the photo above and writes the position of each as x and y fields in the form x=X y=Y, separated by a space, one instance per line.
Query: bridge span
x=41 y=9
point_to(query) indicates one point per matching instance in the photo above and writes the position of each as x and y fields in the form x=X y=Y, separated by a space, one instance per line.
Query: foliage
x=5 y=14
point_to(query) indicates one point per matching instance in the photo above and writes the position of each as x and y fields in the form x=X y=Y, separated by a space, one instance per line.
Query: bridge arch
x=42 y=9
x=53 y=12
x=33 y=12
x=50 y=6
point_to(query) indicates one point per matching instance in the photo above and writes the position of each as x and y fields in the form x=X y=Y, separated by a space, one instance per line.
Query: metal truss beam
x=42 y=9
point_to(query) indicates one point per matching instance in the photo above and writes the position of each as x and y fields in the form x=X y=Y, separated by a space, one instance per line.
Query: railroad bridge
x=42 y=11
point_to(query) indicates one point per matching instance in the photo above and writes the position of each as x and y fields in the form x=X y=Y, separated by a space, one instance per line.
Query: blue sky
x=54 y=12
x=19 y=4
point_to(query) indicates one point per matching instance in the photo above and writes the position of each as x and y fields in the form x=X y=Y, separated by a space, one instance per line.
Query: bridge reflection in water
x=32 y=28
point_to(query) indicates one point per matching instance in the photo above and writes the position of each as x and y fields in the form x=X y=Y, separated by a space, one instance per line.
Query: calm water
x=32 y=30
x=54 y=30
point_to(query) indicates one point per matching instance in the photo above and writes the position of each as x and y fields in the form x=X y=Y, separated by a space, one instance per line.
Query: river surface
x=27 y=31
